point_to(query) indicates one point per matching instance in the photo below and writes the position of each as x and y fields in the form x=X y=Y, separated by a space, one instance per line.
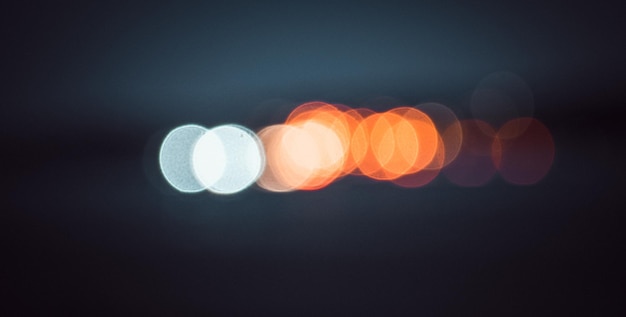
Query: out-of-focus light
x=449 y=129
x=209 y=159
x=228 y=159
x=427 y=137
x=394 y=145
x=277 y=176
x=330 y=132
x=300 y=155
x=364 y=146
x=352 y=119
x=175 y=158
x=359 y=142
x=309 y=151
x=319 y=143
x=525 y=157
x=424 y=176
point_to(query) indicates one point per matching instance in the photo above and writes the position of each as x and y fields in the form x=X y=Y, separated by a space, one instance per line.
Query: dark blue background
x=90 y=227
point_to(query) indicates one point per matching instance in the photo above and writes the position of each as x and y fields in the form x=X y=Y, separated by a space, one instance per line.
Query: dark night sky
x=89 y=226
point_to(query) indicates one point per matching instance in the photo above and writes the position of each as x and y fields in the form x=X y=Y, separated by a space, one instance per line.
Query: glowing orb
x=175 y=158
x=228 y=159
x=209 y=159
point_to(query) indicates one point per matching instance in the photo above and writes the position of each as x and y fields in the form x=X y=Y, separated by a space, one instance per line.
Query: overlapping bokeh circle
x=320 y=143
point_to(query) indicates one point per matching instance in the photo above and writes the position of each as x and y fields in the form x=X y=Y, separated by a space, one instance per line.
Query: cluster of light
x=223 y=160
x=320 y=143
x=410 y=146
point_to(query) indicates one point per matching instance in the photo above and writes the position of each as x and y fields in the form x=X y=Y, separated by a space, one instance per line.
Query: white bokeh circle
x=175 y=158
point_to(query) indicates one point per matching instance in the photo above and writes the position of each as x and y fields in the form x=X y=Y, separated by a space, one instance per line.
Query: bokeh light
x=448 y=126
x=239 y=161
x=424 y=176
x=426 y=134
x=325 y=156
x=278 y=176
x=175 y=158
x=527 y=157
x=209 y=159
x=320 y=143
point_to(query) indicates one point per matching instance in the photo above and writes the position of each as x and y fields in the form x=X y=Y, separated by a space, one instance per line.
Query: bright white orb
x=244 y=159
x=209 y=159
x=175 y=158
